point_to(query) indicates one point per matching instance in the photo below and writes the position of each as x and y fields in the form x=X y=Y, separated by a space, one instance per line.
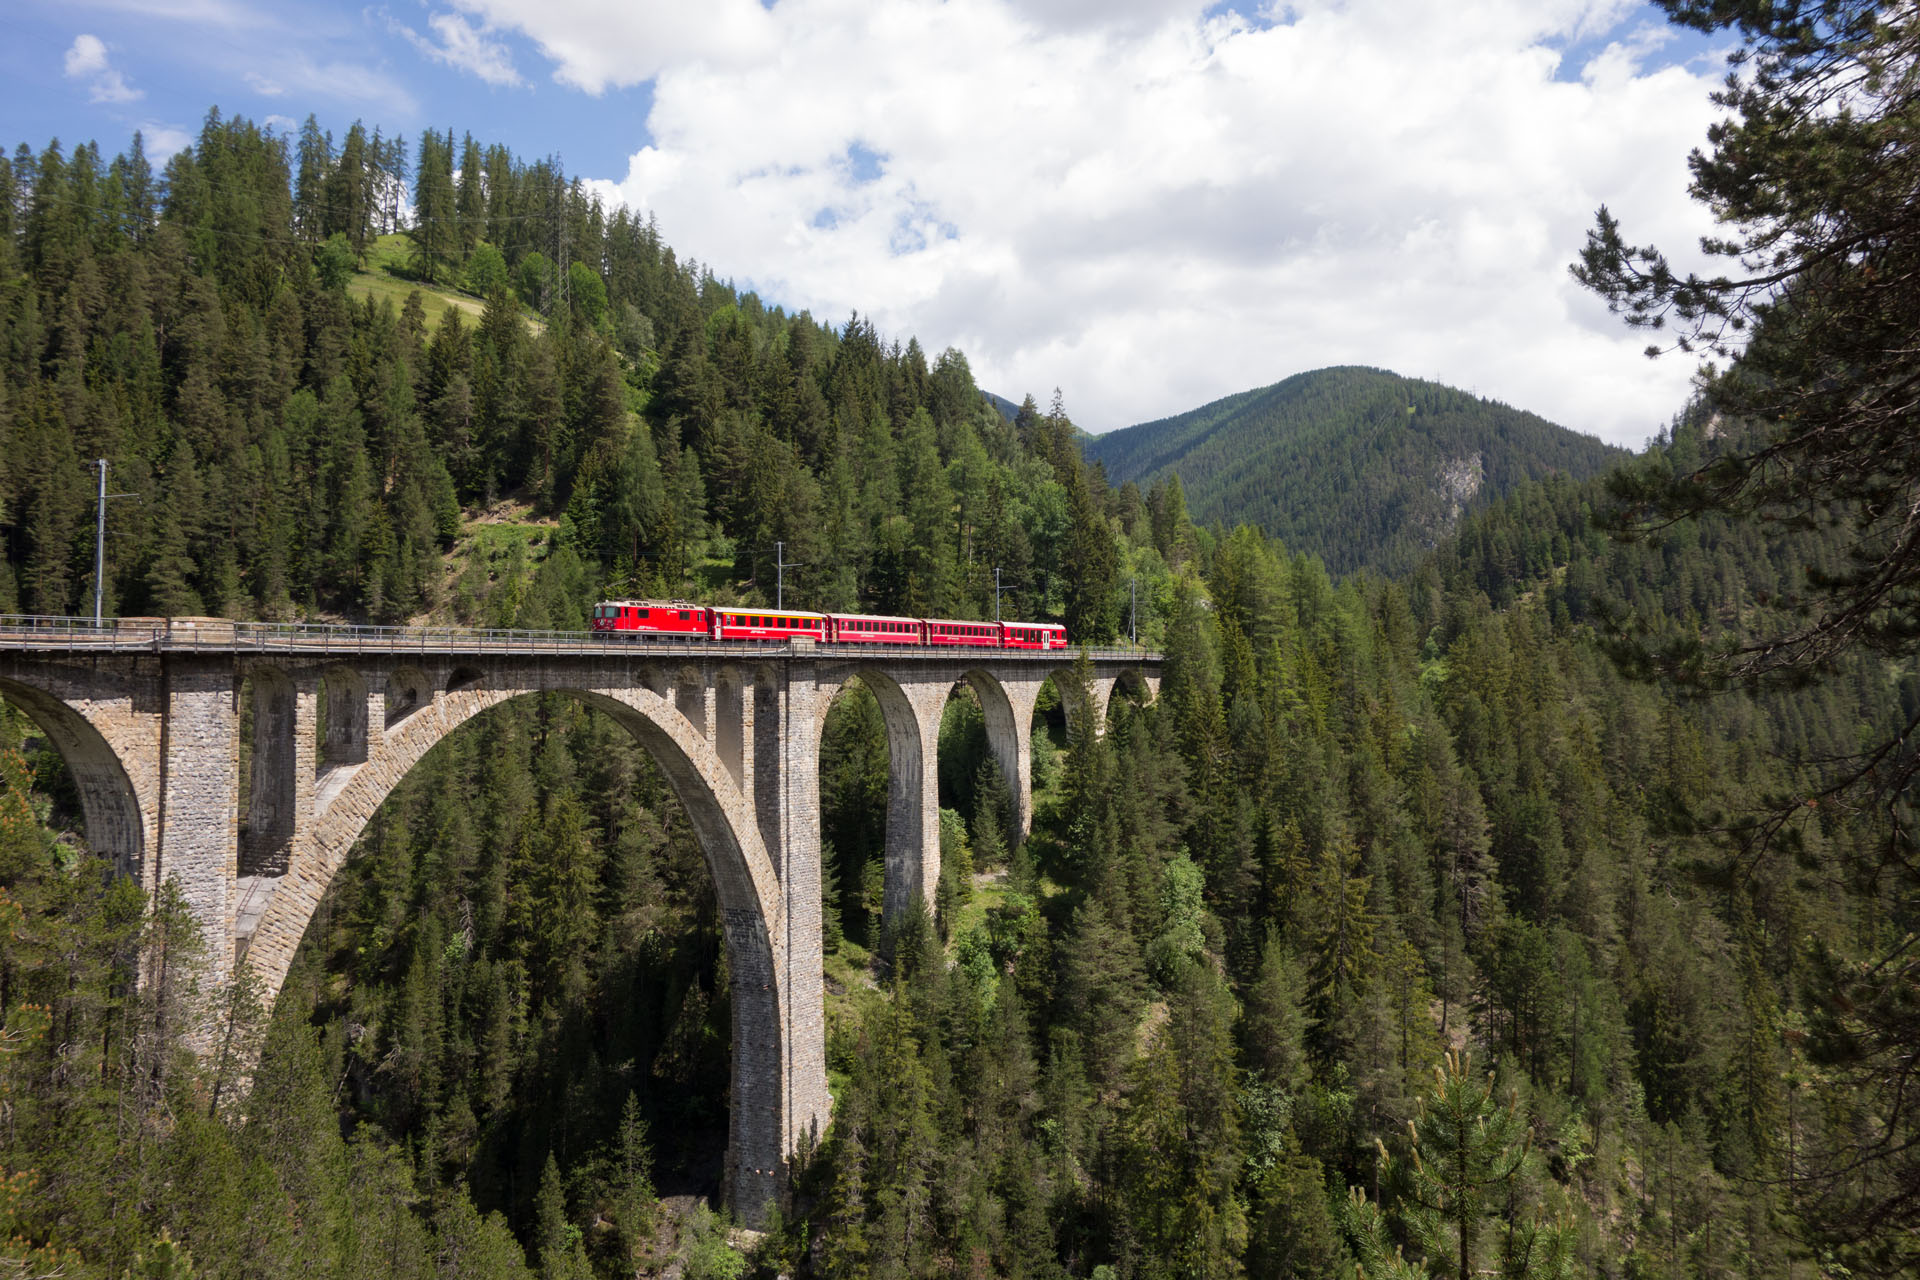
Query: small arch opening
x=342 y=719
x=408 y=690
x=732 y=712
x=855 y=768
x=269 y=771
x=978 y=814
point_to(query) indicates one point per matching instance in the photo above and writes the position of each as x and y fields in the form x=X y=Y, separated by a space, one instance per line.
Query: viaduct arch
x=151 y=732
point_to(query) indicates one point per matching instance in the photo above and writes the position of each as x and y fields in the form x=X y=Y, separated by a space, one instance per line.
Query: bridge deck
x=144 y=635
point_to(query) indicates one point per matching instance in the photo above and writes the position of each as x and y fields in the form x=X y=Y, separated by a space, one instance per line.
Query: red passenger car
x=1034 y=635
x=944 y=632
x=861 y=628
x=746 y=623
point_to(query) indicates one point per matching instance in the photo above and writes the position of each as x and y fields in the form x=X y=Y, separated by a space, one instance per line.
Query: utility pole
x=1133 y=612
x=780 y=566
x=997 y=589
x=100 y=544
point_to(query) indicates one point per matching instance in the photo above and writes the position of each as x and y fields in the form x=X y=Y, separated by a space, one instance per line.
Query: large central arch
x=749 y=892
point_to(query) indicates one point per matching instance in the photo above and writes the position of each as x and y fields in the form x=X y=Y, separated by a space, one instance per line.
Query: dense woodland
x=1361 y=467
x=1401 y=931
x=294 y=452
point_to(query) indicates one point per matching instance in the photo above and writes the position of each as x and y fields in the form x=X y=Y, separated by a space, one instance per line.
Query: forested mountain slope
x=1190 y=1027
x=300 y=447
x=1360 y=467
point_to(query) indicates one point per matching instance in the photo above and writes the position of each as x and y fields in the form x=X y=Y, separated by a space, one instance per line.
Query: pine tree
x=1466 y=1152
x=435 y=232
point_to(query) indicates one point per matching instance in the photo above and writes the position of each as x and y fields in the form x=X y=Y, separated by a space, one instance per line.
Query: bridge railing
x=42 y=632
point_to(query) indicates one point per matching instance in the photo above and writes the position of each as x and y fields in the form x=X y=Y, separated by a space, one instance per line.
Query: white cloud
x=87 y=57
x=262 y=85
x=163 y=141
x=464 y=47
x=1169 y=204
x=87 y=60
x=601 y=44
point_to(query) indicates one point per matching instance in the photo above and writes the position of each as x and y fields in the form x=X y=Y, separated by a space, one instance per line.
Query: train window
x=685 y=615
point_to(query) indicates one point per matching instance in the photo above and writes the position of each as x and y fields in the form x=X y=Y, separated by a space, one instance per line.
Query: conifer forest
x=1540 y=904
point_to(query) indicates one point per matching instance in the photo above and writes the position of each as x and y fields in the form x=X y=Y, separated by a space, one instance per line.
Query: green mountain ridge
x=1361 y=466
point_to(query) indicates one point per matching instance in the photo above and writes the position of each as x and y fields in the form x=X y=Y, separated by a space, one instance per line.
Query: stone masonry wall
x=199 y=800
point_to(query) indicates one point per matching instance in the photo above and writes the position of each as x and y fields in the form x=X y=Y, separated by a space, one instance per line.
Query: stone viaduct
x=148 y=717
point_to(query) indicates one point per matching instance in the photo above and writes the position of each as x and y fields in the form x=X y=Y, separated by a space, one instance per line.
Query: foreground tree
x=1468 y=1153
x=1813 y=427
x=1813 y=174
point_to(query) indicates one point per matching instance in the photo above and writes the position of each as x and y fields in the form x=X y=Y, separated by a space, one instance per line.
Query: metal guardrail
x=39 y=633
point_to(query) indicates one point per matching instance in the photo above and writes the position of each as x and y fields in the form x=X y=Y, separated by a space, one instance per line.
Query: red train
x=679 y=618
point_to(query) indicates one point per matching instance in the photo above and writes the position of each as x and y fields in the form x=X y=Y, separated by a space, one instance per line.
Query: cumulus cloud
x=87 y=60
x=87 y=57
x=596 y=45
x=1170 y=202
x=464 y=47
x=163 y=141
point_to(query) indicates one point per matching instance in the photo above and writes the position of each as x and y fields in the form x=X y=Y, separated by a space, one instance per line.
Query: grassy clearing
x=989 y=892
x=851 y=993
x=388 y=276
x=500 y=550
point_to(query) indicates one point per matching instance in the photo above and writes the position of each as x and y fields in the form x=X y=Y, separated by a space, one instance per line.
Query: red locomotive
x=742 y=622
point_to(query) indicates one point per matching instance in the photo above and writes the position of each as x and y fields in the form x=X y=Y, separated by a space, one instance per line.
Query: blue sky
x=1148 y=203
x=339 y=62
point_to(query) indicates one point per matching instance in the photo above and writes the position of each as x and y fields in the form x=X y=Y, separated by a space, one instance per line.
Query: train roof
x=651 y=604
